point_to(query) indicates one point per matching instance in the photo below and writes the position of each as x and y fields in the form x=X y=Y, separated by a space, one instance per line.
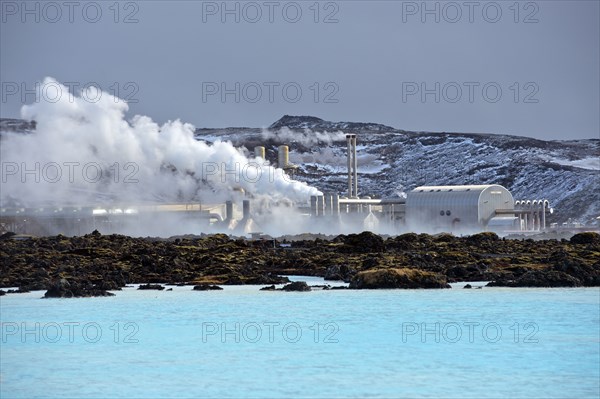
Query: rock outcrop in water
x=207 y=287
x=398 y=278
x=71 y=288
x=298 y=286
x=94 y=264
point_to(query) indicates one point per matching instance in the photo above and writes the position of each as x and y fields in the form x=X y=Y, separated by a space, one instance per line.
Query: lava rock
x=539 y=278
x=398 y=278
x=64 y=288
x=299 y=286
x=268 y=288
x=151 y=287
x=589 y=238
x=338 y=272
x=207 y=287
x=7 y=236
x=365 y=242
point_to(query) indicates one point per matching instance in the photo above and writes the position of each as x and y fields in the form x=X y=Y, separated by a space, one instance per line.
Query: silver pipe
x=215 y=216
x=544 y=206
x=336 y=204
x=320 y=200
x=364 y=201
x=327 y=200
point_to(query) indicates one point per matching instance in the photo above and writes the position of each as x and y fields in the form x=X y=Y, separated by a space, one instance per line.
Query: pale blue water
x=369 y=344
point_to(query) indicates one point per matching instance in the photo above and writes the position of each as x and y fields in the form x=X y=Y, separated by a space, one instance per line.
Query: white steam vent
x=83 y=152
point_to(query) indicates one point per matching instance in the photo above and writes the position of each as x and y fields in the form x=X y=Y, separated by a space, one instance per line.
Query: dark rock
x=403 y=242
x=337 y=272
x=365 y=242
x=207 y=287
x=266 y=279
x=300 y=286
x=589 y=238
x=35 y=286
x=539 y=278
x=95 y=263
x=64 y=288
x=8 y=235
x=268 y=288
x=482 y=238
x=398 y=278
x=21 y=290
x=151 y=287
x=60 y=289
x=468 y=286
x=2 y=292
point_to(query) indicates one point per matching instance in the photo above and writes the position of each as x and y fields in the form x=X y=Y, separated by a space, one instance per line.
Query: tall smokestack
x=350 y=163
x=355 y=159
x=283 y=159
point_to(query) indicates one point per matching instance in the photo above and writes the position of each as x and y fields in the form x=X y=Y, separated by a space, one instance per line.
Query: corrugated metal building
x=459 y=208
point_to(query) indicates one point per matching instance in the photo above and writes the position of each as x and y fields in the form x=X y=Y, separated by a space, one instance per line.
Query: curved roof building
x=458 y=208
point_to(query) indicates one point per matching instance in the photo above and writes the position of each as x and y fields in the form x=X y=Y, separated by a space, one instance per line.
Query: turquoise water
x=241 y=342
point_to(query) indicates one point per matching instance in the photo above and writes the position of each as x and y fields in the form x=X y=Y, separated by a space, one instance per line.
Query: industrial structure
x=461 y=209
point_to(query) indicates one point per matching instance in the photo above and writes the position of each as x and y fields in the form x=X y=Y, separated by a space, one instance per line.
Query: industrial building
x=434 y=209
x=456 y=208
x=462 y=209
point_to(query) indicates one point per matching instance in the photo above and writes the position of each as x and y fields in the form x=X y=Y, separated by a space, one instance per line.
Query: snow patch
x=586 y=163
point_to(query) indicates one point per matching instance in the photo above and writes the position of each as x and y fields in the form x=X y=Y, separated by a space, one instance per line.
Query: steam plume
x=84 y=152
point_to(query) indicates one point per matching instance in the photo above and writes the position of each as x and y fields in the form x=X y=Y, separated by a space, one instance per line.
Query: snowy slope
x=391 y=161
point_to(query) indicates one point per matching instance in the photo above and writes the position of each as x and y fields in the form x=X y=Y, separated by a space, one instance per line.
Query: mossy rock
x=484 y=237
x=587 y=238
x=398 y=278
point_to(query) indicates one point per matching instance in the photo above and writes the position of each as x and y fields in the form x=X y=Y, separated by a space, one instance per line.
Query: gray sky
x=368 y=61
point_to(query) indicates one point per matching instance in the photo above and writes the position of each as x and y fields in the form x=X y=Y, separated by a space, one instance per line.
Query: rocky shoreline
x=94 y=264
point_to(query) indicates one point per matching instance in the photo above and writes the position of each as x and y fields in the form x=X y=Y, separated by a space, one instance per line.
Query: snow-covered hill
x=391 y=161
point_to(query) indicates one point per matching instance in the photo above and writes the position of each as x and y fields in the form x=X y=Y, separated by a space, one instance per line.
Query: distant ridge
x=16 y=125
x=311 y=122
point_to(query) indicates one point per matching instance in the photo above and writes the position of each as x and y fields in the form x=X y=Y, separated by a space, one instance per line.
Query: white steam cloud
x=306 y=138
x=84 y=152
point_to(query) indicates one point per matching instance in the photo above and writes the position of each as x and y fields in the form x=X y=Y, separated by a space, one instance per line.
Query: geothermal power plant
x=463 y=209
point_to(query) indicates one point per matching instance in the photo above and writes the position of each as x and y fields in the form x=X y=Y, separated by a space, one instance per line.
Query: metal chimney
x=355 y=159
x=228 y=210
x=350 y=163
x=259 y=152
x=283 y=158
x=246 y=209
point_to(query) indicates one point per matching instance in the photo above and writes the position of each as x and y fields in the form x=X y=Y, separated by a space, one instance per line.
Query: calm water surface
x=241 y=342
